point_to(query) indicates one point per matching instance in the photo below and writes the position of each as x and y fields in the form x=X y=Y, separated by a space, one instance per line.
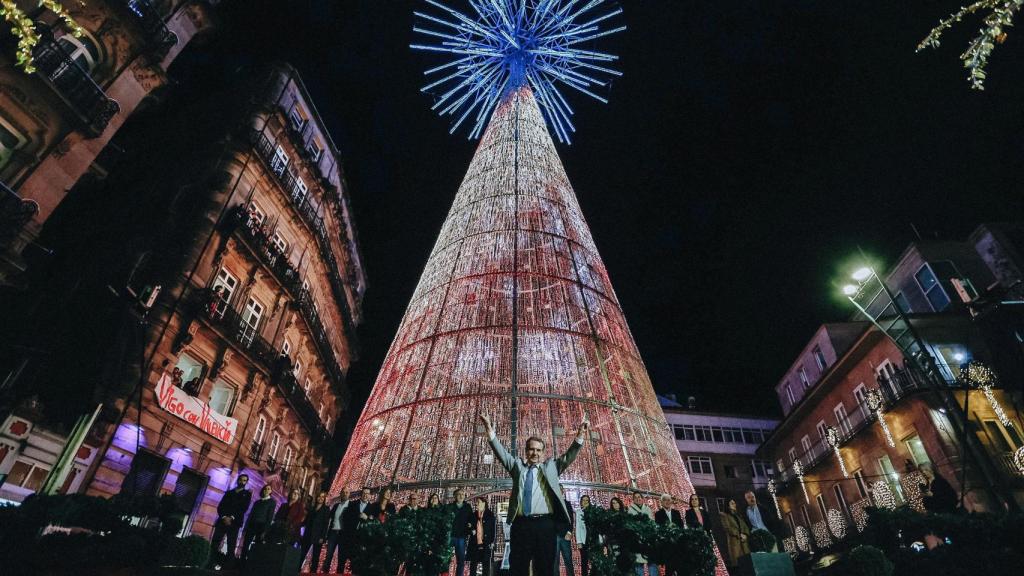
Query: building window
x=703 y=502
x=279 y=242
x=819 y=358
x=275 y=443
x=297 y=368
x=306 y=385
x=933 y=290
x=862 y=486
x=27 y=475
x=299 y=191
x=805 y=442
x=289 y=455
x=227 y=282
x=10 y=140
x=280 y=161
x=251 y=321
x=860 y=394
x=802 y=372
x=1002 y=438
x=315 y=150
x=298 y=117
x=917 y=451
x=256 y=216
x=837 y=490
x=286 y=347
x=789 y=395
x=842 y=420
x=902 y=302
x=792 y=455
x=222 y=398
x=83 y=51
x=678 y=432
x=730 y=471
x=822 y=507
x=762 y=468
x=146 y=475
x=188 y=374
x=700 y=465
x=188 y=491
x=780 y=466
x=822 y=429
x=891 y=477
x=261 y=430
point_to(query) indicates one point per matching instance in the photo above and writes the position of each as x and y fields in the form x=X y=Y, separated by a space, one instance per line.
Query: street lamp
x=873 y=299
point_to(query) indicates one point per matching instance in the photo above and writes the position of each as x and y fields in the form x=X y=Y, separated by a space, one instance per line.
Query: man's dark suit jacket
x=235 y=503
x=661 y=517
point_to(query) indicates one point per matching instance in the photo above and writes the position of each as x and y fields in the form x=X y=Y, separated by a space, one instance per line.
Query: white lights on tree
x=1018 y=460
x=822 y=539
x=832 y=437
x=837 y=523
x=772 y=489
x=860 y=514
x=980 y=375
x=875 y=404
x=883 y=495
x=798 y=469
x=911 y=482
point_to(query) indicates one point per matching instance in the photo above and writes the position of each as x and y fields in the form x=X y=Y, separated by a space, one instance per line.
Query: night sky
x=748 y=151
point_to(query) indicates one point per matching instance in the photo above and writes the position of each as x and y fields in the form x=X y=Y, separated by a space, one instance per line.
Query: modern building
x=218 y=272
x=860 y=419
x=55 y=121
x=719 y=450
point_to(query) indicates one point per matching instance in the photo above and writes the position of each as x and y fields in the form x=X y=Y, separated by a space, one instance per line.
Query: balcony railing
x=300 y=199
x=290 y=278
x=15 y=213
x=256 y=451
x=151 y=22
x=73 y=84
x=233 y=326
x=284 y=379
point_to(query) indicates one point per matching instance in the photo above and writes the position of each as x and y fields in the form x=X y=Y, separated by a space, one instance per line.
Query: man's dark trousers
x=333 y=544
x=231 y=531
x=565 y=551
x=533 y=540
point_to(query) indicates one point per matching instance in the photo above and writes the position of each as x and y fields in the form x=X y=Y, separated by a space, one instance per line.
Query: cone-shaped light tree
x=514 y=315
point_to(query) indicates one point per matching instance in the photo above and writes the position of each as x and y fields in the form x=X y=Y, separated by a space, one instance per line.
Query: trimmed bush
x=868 y=561
x=691 y=552
x=190 y=551
x=761 y=541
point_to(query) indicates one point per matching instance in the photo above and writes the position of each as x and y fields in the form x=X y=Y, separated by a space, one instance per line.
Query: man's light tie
x=528 y=492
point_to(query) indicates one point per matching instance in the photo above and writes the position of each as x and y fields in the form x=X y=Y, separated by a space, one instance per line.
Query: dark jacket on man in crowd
x=561 y=526
x=373 y=511
x=661 y=517
x=318 y=521
x=350 y=519
x=261 y=515
x=461 y=520
x=235 y=503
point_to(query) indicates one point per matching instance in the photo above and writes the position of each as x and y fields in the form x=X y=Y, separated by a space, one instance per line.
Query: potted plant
x=762 y=561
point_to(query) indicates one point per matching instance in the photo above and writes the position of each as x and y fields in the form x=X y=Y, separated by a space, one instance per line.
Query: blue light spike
x=497 y=46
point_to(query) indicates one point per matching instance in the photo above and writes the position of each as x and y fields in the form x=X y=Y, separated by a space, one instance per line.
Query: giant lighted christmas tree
x=514 y=315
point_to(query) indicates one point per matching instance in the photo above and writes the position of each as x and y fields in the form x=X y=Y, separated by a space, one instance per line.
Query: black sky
x=749 y=148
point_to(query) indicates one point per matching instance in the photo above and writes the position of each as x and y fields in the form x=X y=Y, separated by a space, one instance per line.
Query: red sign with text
x=194 y=411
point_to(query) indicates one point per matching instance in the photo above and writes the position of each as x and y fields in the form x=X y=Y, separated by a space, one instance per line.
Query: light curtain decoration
x=798 y=469
x=832 y=437
x=772 y=489
x=875 y=404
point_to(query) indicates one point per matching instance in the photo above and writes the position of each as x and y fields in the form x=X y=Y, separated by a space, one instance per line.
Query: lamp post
x=872 y=298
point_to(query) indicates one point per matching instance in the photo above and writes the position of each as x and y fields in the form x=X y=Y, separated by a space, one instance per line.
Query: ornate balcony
x=265 y=250
x=230 y=323
x=284 y=379
x=15 y=213
x=151 y=22
x=256 y=451
x=73 y=84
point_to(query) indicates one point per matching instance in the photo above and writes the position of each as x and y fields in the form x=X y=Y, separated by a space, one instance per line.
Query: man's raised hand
x=487 y=424
x=581 y=432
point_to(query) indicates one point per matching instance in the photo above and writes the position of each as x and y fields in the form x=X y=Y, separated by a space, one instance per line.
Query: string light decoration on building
x=514 y=315
x=789 y=545
x=1018 y=460
x=837 y=523
x=911 y=483
x=875 y=404
x=773 y=490
x=507 y=44
x=883 y=495
x=798 y=469
x=803 y=539
x=859 y=512
x=832 y=438
x=978 y=375
x=993 y=31
x=24 y=28
x=822 y=539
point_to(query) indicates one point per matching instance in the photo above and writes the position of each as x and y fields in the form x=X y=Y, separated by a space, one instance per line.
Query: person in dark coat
x=937 y=494
x=230 y=514
x=292 y=515
x=354 y=515
x=383 y=508
x=480 y=538
x=314 y=534
x=563 y=534
x=697 y=517
x=334 y=533
x=666 y=514
x=261 y=516
x=460 y=528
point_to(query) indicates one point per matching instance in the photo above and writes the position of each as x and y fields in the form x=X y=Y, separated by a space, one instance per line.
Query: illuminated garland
x=875 y=404
x=977 y=374
x=883 y=495
x=772 y=489
x=789 y=545
x=911 y=483
x=832 y=437
x=821 y=536
x=837 y=523
x=975 y=58
x=23 y=28
x=1018 y=460
x=803 y=539
x=798 y=469
x=860 y=514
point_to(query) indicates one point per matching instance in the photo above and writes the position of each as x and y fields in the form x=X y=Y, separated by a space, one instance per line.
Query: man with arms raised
x=535 y=504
